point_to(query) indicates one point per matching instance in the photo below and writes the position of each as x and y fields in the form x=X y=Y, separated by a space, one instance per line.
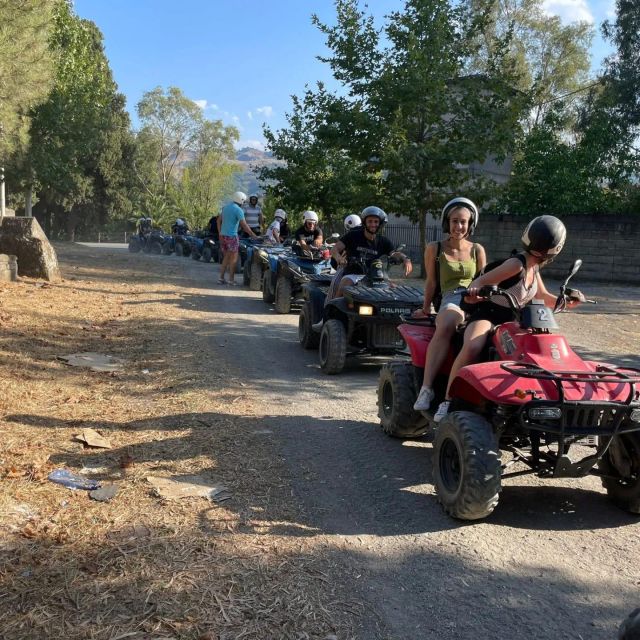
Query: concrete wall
x=608 y=245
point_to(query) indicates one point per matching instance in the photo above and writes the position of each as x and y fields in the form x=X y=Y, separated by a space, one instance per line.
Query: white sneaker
x=424 y=400
x=442 y=411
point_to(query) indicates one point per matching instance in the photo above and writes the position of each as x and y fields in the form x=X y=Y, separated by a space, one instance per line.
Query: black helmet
x=376 y=212
x=456 y=203
x=545 y=235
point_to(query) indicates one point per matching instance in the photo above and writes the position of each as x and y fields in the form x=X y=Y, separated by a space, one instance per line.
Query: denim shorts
x=452 y=299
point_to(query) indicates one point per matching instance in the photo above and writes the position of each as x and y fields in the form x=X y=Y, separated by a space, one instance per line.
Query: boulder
x=24 y=238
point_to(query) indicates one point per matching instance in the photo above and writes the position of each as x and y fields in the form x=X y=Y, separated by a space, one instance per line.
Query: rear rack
x=602 y=375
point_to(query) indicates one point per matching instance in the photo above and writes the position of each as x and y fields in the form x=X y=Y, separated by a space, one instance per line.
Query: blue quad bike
x=286 y=276
x=362 y=322
x=257 y=262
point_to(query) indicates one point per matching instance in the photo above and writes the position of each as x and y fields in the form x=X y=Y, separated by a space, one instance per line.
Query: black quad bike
x=531 y=398
x=362 y=322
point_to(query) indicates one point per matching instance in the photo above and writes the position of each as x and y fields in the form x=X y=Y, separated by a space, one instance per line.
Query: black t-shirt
x=212 y=227
x=357 y=246
x=308 y=236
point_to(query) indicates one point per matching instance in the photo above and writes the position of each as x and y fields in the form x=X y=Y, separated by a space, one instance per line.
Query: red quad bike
x=533 y=398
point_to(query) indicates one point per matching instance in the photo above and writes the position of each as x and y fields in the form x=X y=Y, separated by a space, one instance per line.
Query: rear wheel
x=255 y=275
x=308 y=338
x=195 y=255
x=396 y=395
x=333 y=347
x=621 y=463
x=283 y=294
x=246 y=273
x=155 y=247
x=179 y=249
x=206 y=254
x=267 y=296
x=466 y=466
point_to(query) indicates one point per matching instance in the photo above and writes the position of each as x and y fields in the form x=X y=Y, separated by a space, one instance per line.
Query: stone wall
x=608 y=245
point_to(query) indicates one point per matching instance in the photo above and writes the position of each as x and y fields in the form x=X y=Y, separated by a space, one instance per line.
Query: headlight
x=365 y=310
x=634 y=416
x=545 y=413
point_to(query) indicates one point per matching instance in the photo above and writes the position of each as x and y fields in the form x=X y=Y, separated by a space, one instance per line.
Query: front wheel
x=621 y=466
x=206 y=254
x=308 y=338
x=267 y=295
x=255 y=275
x=283 y=294
x=396 y=395
x=179 y=249
x=195 y=255
x=134 y=245
x=333 y=347
x=466 y=466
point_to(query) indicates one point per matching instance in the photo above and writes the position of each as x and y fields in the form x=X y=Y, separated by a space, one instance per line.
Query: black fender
x=316 y=297
x=337 y=309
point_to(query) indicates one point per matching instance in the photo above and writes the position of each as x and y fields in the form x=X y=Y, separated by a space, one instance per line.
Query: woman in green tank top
x=453 y=262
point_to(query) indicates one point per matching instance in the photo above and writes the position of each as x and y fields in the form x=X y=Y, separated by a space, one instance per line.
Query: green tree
x=411 y=108
x=551 y=59
x=79 y=134
x=184 y=162
x=26 y=66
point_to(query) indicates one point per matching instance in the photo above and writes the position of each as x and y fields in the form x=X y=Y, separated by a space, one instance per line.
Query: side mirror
x=400 y=247
x=572 y=272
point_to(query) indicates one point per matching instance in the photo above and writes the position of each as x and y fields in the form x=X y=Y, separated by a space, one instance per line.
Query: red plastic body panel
x=488 y=381
x=418 y=339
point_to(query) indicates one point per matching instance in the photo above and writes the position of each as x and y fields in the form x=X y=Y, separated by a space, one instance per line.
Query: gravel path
x=555 y=560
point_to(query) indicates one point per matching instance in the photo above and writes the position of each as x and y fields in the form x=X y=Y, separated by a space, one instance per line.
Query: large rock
x=24 y=238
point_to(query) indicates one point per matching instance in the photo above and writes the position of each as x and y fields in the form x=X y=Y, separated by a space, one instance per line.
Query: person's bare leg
x=233 y=259
x=224 y=265
x=475 y=337
x=446 y=323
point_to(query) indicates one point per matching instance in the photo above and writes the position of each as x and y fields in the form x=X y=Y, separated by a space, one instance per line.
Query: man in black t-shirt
x=365 y=243
x=309 y=234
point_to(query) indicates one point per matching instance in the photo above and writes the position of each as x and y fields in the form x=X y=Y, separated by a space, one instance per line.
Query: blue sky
x=241 y=59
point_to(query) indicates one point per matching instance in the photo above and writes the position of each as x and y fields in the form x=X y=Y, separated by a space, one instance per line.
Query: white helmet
x=464 y=203
x=352 y=221
x=180 y=222
x=310 y=216
x=280 y=213
x=238 y=197
x=253 y=195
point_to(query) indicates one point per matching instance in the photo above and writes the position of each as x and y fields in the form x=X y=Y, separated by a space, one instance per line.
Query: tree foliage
x=26 y=66
x=407 y=112
x=184 y=162
x=551 y=59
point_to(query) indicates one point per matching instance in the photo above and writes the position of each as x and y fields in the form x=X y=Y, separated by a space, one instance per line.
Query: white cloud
x=249 y=115
x=201 y=103
x=266 y=111
x=253 y=143
x=205 y=105
x=569 y=10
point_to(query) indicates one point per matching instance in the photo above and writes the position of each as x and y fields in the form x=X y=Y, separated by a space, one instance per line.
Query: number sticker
x=542 y=314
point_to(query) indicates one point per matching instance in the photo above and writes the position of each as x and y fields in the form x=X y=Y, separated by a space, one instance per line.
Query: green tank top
x=456 y=273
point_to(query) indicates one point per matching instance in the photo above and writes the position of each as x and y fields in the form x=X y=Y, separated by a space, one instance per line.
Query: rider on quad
x=363 y=242
x=273 y=232
x=542 y=240
x=309 y=234
x=179 y=227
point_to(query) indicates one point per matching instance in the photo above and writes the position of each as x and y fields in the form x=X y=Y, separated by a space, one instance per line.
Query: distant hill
x=252 y=159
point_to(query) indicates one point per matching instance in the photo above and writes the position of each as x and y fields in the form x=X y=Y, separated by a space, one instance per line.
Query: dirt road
x=555 y=560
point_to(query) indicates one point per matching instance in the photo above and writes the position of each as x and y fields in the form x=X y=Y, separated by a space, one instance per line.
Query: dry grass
x=140 y=567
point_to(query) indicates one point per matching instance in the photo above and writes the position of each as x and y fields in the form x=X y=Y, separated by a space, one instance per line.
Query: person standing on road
x=229 y=220
x=253 y=214
x=451 y=266
x=366 y=243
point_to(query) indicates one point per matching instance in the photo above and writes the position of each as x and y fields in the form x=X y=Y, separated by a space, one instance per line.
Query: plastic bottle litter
x=73 y=481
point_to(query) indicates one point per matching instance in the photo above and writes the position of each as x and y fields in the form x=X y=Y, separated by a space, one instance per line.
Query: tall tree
x=183 y=161
x=71 y=141
x=551 y=59
x=26 y=66
x=411 y=108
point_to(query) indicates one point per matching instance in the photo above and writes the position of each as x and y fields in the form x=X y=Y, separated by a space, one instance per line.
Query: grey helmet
x=367 y=212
